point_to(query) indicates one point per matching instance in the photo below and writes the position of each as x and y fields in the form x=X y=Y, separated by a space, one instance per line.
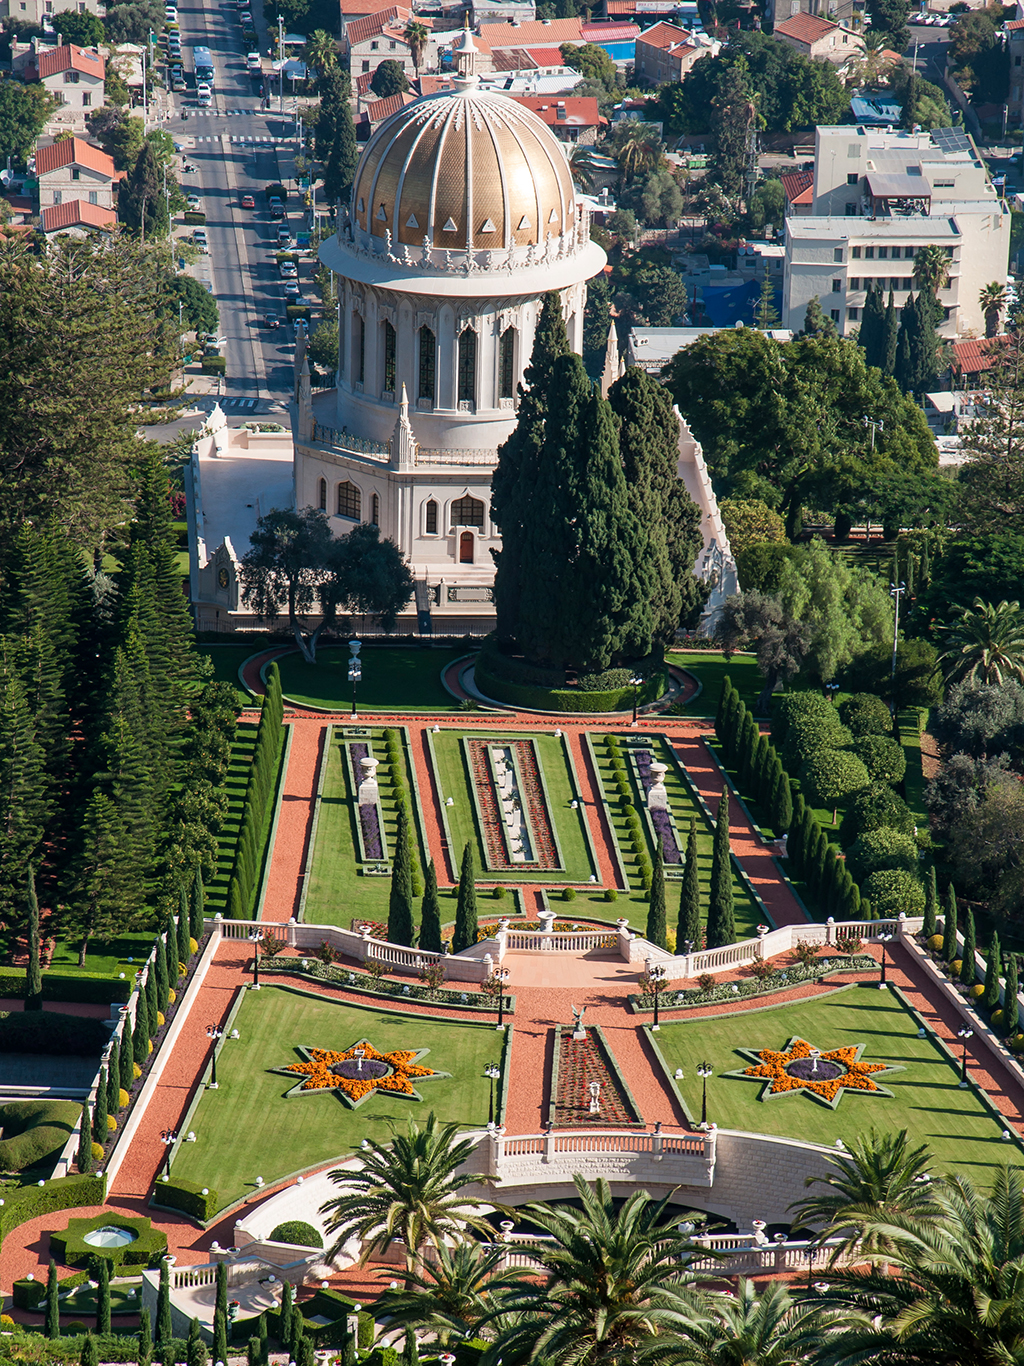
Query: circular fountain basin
x=110 y=1237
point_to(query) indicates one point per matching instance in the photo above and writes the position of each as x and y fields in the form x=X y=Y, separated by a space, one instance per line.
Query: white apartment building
x=878 y=197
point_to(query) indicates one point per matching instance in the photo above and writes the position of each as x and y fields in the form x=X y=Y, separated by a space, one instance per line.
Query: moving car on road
x=288 y=271
x=291 y=289
x=272 y=321
x=248 y=202
x=194 y=203
x=204 y=96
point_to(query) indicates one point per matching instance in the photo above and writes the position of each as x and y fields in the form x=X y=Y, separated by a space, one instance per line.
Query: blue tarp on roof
x=726 y=305
x=876 y=109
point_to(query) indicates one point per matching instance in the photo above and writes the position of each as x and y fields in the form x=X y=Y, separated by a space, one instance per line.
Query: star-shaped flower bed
x=358 y=1072
x=824 y=1076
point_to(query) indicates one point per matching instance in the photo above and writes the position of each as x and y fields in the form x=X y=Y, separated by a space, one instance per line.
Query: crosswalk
x=208 y=401
x=232 y=113
x=233 y=137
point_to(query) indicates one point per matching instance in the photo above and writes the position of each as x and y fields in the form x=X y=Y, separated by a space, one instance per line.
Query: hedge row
x=51 y=1033
x=214 y=365
x=259 y=790
x=559 y=699
x=113 y=1347
x=34 y=1130
x=99 y=991
x=194 y=218
x=393 y=747
x=187 y=1197
x=66 y=1192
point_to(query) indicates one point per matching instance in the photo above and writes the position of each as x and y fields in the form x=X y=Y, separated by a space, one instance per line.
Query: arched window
x=428 y=365
x=506 y=363
x=430 y=519
x=322 y=504
x=349 y=501
x=466 y=548
x=468 y=512
x=467 y=365
x=390 y=351
x=375 y=510
x=358 y=348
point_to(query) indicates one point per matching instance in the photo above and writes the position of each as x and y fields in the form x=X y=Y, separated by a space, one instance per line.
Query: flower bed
x=662 y=824
x=543 y=845
x=363 y=982
x=370 y=823
x=576 y=1065
x=823 y=1075
x=779 y=980
x=357 y=1072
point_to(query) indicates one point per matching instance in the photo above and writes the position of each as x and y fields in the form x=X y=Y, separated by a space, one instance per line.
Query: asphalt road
x=234 y=146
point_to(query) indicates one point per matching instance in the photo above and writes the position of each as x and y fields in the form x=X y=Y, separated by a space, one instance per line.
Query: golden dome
x=465 y=170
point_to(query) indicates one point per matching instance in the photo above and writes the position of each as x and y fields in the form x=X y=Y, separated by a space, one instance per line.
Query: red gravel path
x=288 y=861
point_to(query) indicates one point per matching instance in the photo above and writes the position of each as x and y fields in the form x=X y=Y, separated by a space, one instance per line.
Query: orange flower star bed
x=353 y=1076
x=824 y=1076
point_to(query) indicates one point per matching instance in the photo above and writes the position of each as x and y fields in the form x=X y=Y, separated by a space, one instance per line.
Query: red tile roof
x=352 y=10
x=665 y=37
x=975 y=355
x=798 y=186
x=361 y=29
x=391 y=104
x=363 y=82
x=534 y=33
x=68 y=57
x=518 y=59
x=77 y=213
x=610 y=33
x=73 y=151
x=573 y=112
x=433 y=85
x=1014 y=24
x=806 y=28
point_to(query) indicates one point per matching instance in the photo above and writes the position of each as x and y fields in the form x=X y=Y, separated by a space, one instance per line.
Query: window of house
x=853 y=314
x=428 y=364
x=366 y=67
x=837 y=286
x=392 y=46
x=908 y=253
x=852 y=177
x=883 y=253
x=837 y=253
x=857 y=252
x=908 y=283
x=390 y=345
x=430 y=519
x=358 y=346
x=947 y=313
x=855 y=282
x=322 y=490
x=468 y=511
x=506 y=362
x=86 y=101
x=1016 y=61
x=374 y=45
x=467 y=365
x=835 y=315
x=93 y=197
x=56 y=196
x=375 y=510
x=70 y=77
x=76 y=174
x=349 y=501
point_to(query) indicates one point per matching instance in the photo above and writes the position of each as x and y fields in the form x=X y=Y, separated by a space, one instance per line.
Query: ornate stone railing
x=352 y=445
x=568 y=941
x=427 y=456
x=554 y=1158
x=727 y=1254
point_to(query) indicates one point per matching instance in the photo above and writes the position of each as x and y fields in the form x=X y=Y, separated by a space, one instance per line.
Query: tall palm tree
x=931 y=269
x=417 y=36
x=321 y=52
x=638 y=150
x=608 y=1282
x=957 y=1298
x=407 y=1189
x=581 y=163
x=448 y=1296
x=881 y=1174
x=986 y=643
x=992 y=301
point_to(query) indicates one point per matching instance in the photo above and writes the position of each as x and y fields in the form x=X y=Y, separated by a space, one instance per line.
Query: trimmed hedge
x=295 y=1231
x=48 y=1032
x=115 y=1347
x=214 y=365
x=187 y=1197
x=35 y=1130
x=874 y=808
x=565 y=700
x=865 y=714
x=891 y=890
x=294 y=311
x=97 y=991
x=195 y=218
x=883 y=758
x=263 y=773
x=882 y=848
x=66 y=1192
x=69 y=1245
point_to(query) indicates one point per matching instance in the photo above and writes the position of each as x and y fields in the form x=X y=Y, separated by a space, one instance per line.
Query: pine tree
x=33 y=973
x=52 y=1327
x=721 y=928
x=25 y=803
x=102 y=1296
x=83 y=1160
x=197 y=908
x=949 y=930
x=993 y=969
x=688 y=928
x=518 y=460
x=195 y=1348
x=968 y=964
x=464 y=935
x=183 y=935
x=401 y=929
x=163 y=985
x=144 y=1352
x=1011 y=1005
x=430 y=914
x=100 y=1128
x=931 y=905
x=781 y=802
x=89 y=1355
x=657 y=917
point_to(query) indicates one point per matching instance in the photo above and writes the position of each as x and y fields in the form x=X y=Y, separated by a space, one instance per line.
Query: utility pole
x=280 y=58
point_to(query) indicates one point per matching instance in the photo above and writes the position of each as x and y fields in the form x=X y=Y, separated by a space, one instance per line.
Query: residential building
x=849 y=13
x=820 y=39
x=502 y=12
x=798 y=187
x=354 y=10
x=573 y=120
x=379 y=38
x=666 y=53
x=79 y=218
x=71 y=170
x=35 y=11
x=1013 y=36
x=652 y=348
x=375 y=111
x=73 y=75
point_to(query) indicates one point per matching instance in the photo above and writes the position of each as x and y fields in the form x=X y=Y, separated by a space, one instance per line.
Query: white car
x=204 y=96
x=170 y=14
x=291 y=289
x=288 y=271
x=194 y=203
x=199 y=238
x=253 y=62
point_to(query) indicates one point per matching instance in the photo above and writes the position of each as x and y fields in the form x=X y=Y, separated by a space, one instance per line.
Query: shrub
x=977 y=991
x=996 y=1017
x=791 y=709
x=876 y=806
x=865 y=714
x=892 y=890
x=66 y=1192
x=882 y=757
x=187 y=1197
x=45 y=1031
x=34 y=1130
x=612 y=743
x=293 y=311
x=111 y=1123
x=954 y=968
x=706 y=981
x=610 y=894
x=618 y=764
x=832 y=776
x=214 y=365
x=69 y=1245
x=97 y=1152
x=935 y=943
x=568 y=893
x=805 y=953
x=27 y=1294
x=498 y=893
x=629 y=810
x=882 y=848
x=295 y=1231
x=194 y=218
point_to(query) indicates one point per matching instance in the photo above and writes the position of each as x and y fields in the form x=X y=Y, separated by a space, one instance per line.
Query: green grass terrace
x=394 y=679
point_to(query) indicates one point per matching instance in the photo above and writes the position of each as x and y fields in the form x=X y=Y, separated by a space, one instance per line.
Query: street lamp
x=492 y=1073
x=704 y=1070
x=656 y=976
x=255 y=939
x=355 y=671
x=896 y=591
x=636 y=680
x=883 y=939
x=502 y=974
x=168 y=1138
x=875 y=427
x=964 y=1034
x=213 y=1033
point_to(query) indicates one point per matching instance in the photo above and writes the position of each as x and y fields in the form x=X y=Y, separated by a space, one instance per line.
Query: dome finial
x=465 y=54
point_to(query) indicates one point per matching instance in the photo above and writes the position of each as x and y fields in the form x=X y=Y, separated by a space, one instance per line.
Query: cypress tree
x=810 y=839
x=852 y=908
x=220 y=1335
x=721 y=924
x=819 y=866
x=747 y=747
x=197 y=907
x=83 y=1160
x=100 y=1128
x=102 y=1272
x=252 y=1353
x=164 y=1332
x=163 y=985
x=127 y=1056
x=931 y=905
x=464 y=935
x=949 y=927
x=297 y=1334
x=195 y=1348
x=221 y=1301
x=304 y=1356
x=149 y=996
x=737 y=721
x=657 y=915
x=343 y=154
x=140 y=1035
x=264 y=1341
x=144 y=1352
x=430 y=914
x=762 y=775
x=903 y=372
x=33 y=973
x=872 y=329
x=924 y=342
x=968 y=965
x=89 y=1355
x=114 y=1079
x=182 y=954
x=1011 y=1007
x=890 y=334
x=781 y=802
x=285 y=1335
x=52 y=1328
x=401 y=929
x=689 y=900
x=723 y=697
x=795 y=843
x=993 y=968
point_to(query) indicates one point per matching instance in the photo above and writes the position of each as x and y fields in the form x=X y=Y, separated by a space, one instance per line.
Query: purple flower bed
x=802 y=1069
x=372 y=1069
x=370 y=822
x=670 y=850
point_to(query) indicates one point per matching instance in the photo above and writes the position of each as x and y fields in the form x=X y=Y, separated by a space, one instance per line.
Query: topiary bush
x=831 y=777
x=810 y=735
x=35 y=1130
x=865 y=714
x=883 y=758
x=295 y=1231
x=793 y=708
x=68 y=1245
x=892 y=890
x=871 y=809
x=47 y=1032
x=568 y=893
x=610 y=894
x=882 y=848
x=198 y=1202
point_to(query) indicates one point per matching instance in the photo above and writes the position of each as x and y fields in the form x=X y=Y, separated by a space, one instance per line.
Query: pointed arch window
x=428 y=365
x=430 y=518
x=468 y=511
x=375 y=510
x=358 y=347
x=349 y=501
x=467 y=365
x=506 y=363
x=322 y=491
x=390 y=355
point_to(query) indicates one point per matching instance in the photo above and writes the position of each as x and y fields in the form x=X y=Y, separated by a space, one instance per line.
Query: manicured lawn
x=561 y=789
x=126 y=955
x=683 y=807
x=393 y=679
x=247 y=1128
x=962 y=1134
x=337 y=891
x=711 y=668
x=226 y=661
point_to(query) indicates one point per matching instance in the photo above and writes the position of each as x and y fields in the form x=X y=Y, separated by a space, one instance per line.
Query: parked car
x=248 y=202
x=171 y=12
x=288 y=271
x=178 y=84
x=272 y=321
x=200 y=239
